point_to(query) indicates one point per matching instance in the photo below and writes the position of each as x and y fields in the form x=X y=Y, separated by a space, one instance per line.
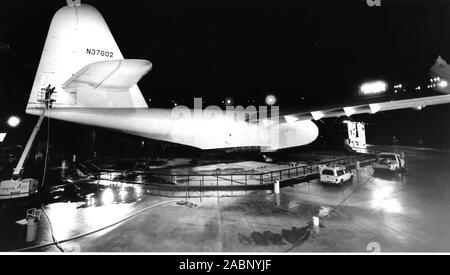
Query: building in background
x=356 y=135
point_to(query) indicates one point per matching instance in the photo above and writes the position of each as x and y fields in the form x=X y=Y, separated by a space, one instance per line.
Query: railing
x=228 y=184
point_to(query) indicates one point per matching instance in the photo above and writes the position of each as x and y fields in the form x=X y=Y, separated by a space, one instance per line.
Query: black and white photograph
x=224 y=127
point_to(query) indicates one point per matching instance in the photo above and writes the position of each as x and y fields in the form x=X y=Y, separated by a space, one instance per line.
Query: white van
x=334 y=174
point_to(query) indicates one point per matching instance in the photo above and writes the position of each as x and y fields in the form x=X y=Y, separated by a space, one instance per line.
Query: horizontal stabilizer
x=110 y=76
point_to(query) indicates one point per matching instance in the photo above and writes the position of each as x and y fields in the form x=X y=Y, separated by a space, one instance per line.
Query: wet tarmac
x=381 y=212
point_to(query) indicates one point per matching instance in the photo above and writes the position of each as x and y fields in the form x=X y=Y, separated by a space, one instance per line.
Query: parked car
x=334 y=174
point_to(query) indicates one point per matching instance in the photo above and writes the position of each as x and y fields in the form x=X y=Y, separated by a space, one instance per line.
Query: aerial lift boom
x=18 y=170
x=18 y=187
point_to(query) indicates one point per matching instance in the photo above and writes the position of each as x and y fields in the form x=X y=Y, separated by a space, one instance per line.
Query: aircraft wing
x=111 y=75
x=369 y=108
x=440 y=84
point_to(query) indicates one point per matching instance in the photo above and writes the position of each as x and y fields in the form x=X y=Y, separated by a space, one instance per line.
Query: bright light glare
x=13 y=121
x=316 y=221
x=228 y=101
x=138 y=190
x=384 y=198
x=108 y=196
x=420 y=107
x=64 y=219
x=443 y=83
x=373 y=87
x=90 y=200
x=2 y=137
x=123 y=194
x=271 y=100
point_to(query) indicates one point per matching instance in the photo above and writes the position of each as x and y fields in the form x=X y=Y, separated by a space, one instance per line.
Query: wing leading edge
x=369 y=108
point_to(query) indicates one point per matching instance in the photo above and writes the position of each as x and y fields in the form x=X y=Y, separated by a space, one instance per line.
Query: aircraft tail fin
x=82 y=61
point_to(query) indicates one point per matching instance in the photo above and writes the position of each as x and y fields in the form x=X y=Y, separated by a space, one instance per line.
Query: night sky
x=319 y=50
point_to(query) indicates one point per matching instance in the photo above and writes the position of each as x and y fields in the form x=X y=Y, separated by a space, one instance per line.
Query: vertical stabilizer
x=79 y=43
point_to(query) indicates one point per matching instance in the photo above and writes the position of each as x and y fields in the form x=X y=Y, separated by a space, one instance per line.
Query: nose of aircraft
x=312 y=133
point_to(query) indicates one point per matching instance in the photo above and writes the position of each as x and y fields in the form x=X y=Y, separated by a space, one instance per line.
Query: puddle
x=267 y=238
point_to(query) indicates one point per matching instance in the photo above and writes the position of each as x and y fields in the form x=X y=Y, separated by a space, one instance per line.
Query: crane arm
x=27 y=149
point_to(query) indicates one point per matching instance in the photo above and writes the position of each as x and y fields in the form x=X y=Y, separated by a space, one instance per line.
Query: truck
x=18 y=187
x=334 y=174
x=15 y=189
x=392 y=162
